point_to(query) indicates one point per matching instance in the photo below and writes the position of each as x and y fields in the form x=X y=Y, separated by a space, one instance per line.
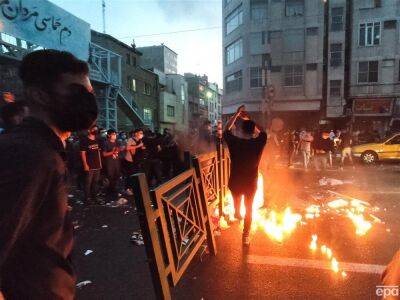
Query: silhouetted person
x=91 y=162
x=36 y=232
x=111 y=161
x=322 y=146
x=245 y=147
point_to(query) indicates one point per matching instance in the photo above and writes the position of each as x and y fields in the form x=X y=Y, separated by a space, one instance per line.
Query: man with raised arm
x=246 y=144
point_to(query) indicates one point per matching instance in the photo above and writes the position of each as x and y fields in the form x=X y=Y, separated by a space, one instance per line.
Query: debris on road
x=83 y=283
x=331 y=181
x=87 y=252
x=104 y=226
x=137 y=238
x=120 y=202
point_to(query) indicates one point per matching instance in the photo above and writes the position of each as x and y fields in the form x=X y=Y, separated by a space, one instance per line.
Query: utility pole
x=103 y=5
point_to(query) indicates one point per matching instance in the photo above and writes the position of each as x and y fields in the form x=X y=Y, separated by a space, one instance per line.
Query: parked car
x=371 y=153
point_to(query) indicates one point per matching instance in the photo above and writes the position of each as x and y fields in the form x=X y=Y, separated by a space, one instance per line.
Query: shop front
x=373 y=116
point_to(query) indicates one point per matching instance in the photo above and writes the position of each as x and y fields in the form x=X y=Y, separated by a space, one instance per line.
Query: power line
x=268 y=20
x=171 y=32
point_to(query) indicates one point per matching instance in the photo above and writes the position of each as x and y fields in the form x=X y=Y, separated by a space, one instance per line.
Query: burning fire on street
x=280 y=225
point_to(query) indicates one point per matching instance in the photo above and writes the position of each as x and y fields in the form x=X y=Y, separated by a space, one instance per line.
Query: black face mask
x=75 y=111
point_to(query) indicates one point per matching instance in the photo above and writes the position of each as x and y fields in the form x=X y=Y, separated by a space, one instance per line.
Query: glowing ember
x=362 y=225
x=223 y=223
x=329 y=253
x=344 y=274
x=278 y=226
x=323 y=249
x=338 y=203
x=313 y=244
x=312 y=212
x=334 y=265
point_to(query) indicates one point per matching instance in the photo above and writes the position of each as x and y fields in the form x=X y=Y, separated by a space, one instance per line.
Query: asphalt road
x=267 y=269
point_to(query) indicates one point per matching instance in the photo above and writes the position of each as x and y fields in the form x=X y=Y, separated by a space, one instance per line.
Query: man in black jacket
x=35 y=228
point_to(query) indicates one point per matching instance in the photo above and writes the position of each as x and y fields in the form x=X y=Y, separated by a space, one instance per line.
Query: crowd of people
x=319 y=150
x=101 y=162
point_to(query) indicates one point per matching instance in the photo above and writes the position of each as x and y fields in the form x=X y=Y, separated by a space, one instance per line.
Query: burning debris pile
x=279 y=225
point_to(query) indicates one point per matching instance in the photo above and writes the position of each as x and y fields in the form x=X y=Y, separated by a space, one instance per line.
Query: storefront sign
x=45 y=24
x=372 y=107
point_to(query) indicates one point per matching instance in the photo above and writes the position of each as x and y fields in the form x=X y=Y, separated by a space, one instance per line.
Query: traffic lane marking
x=314 y=264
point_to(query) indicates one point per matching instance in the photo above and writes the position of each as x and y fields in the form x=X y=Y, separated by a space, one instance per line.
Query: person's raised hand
x=244 y=115
x=241 y=108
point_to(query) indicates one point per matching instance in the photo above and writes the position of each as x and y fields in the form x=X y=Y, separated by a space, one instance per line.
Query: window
x=128 y=58
x=170 y=111
x=370 y=34
x=234 y=51
x=368 y=71
x=257 y=42
x=337 y=19
x=258 y=10
x=256 y=77
x=395 y=140
x=147 y=89
x=294 y=8
x=336 y=55
x=378 y=3
x=233 y=82
x=390 y=24
x=183 y=96
x=202 y=102
x=275 y=69
x=234 y=19
x=312 y=31
x=133 y=85
x=147 y=115
x=335 y=88
x=293 y=75
x=134 y=63
x=311 y=67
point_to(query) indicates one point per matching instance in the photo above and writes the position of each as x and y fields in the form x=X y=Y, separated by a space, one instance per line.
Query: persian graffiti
x=18 y=11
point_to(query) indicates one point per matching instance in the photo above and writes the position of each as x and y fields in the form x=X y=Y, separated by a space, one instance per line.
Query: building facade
x=214 y=99
x=374 y=91
x=306 y=61
x=174 y=104
x=198 y=103
x=273 y=58
x=159 y=57
x=139 y=87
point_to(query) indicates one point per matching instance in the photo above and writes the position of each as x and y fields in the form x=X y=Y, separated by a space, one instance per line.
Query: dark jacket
x=35 y=229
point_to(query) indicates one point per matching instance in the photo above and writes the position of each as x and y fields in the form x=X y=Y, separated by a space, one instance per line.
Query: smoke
x=197 y=11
